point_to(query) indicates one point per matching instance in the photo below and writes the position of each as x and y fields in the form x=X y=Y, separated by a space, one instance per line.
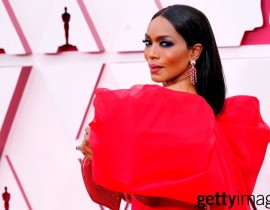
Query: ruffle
x=247 y=134
x=152 y=141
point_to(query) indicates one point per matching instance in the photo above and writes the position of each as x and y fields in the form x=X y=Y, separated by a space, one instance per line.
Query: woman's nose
x=153 y=52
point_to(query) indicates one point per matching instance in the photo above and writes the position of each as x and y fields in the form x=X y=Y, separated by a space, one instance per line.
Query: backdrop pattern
x=46 y=96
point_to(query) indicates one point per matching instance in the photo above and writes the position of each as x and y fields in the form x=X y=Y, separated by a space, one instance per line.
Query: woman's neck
x=181 y=83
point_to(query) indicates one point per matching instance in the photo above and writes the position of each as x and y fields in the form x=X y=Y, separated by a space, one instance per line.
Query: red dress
x=152 y=141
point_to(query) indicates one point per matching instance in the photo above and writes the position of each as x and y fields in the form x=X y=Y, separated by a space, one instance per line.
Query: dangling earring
x=193 y=72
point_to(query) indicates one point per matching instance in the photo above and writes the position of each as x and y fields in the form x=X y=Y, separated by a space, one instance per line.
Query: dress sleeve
x=98 y=193
x=247 y=135
x=155 y=142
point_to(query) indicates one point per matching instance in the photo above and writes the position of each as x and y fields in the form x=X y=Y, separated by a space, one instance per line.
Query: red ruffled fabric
x=247 y=135
x=152 y=141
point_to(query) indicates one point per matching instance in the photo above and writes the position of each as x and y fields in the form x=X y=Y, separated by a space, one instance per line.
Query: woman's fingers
x=86 y=134
x=86 y=150
x=87 y=130
x=85 y=146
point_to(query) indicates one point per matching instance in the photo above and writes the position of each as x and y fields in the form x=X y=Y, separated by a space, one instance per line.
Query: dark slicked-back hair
x=195 y=28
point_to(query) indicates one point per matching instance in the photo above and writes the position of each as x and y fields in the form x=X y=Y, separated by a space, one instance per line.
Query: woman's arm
x=96 y=192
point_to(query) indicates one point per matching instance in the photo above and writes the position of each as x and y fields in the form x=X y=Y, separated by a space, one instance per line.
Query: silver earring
x=193 y=72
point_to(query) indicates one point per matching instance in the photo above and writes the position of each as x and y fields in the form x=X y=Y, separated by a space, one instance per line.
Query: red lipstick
x=154 y=68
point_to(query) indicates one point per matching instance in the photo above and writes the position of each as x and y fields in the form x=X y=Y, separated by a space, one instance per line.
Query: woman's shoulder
x=151 y=100
x=150 y=94
x=247 y=134
x=243 y=109
x=241 y=100
x=144 y=91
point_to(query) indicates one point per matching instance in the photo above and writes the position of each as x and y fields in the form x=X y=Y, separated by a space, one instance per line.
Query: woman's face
x=165 y=51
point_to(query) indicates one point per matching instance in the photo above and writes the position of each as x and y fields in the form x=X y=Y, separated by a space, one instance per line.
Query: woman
x=178 y=146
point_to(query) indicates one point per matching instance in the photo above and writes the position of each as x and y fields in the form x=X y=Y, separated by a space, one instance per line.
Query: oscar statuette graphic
x=6 y=198
x=260 y=35
x=66 y=47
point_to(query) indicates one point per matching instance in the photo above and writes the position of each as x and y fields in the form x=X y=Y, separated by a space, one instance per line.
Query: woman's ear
x=196 y=51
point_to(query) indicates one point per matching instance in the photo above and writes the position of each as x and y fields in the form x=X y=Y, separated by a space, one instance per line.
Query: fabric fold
x=152 y=141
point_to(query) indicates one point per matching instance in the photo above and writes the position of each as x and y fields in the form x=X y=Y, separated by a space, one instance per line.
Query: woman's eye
x=166 y=44
x=146 y=42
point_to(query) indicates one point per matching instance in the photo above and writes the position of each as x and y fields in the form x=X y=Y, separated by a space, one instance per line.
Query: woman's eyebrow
x=159 y=37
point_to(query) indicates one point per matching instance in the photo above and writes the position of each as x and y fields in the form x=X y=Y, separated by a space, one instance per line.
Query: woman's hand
x=85 y=147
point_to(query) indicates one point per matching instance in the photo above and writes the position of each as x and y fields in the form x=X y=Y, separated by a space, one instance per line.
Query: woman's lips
x=154 y=68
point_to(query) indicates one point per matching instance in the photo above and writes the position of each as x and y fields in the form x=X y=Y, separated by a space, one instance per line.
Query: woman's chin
x=157 y=80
